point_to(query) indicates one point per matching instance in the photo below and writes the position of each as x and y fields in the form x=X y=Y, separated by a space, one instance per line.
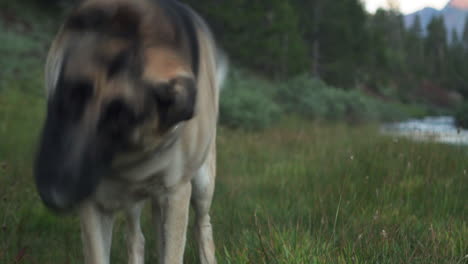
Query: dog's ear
x=121 y=21
x=175 y=100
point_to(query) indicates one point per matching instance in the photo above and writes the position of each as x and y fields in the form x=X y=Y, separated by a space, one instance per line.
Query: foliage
x=337 y=39
x=249 y=102
x=338 y=43
x=262 y=35
x=465 y=34
x=436 y=47
x=334 y=41
x=314 y=99
x=246 y=102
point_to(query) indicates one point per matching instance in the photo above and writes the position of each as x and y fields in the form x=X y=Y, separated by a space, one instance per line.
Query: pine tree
x=455 y=79
x=416 y=27
x=260 y=35
x=436 y=47
x=337 y=38
x=454 y=40
x=414 y=52
x=310 y=17
x=388 y=64
x=465 y=34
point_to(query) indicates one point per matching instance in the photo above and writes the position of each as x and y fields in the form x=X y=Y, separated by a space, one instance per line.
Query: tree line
x=341 y=44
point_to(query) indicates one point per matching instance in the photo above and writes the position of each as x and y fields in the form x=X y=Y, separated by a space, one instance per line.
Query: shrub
x=314 y=99
x=251 y=103
x=300 y=95
x=247 y=102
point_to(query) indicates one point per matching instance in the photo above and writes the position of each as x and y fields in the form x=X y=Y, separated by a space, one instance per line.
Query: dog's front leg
x=135 y=238
x=170 y=212
x=96 y=233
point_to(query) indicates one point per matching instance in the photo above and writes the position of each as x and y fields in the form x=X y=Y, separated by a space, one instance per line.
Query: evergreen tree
x=387 y=66
x=457 y=67
x=310 y=17
x=378 y=63
x=416 y=27
x=414 y=49
x=455 y=79
x=465 y=34
x=436 y=48
x=262 y=35
x=337 y=38
x=454 y=40
x=339 y=43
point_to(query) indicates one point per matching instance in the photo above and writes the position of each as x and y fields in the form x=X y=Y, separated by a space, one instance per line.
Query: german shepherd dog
x=132 y=89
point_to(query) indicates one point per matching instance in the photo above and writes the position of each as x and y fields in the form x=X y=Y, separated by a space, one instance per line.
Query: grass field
x=296 y=193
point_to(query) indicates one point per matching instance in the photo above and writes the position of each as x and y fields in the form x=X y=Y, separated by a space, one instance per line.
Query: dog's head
x=119 y=88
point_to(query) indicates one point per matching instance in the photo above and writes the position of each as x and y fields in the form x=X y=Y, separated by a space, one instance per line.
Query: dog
x=132 y=105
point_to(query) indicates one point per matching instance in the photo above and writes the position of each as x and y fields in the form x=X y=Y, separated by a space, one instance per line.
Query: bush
x=247 y=103
x=461 y=116
x=300 y=96
x=251 y=103
x=314 y=99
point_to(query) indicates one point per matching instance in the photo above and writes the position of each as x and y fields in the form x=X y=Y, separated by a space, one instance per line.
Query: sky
x=406 y=6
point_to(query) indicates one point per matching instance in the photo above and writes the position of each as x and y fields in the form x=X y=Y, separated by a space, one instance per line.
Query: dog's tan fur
x=169 y=167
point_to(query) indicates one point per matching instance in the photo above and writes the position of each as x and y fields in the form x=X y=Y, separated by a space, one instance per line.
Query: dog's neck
x=167 y=142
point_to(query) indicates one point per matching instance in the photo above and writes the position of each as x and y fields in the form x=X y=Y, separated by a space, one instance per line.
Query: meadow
x=299 y=192
x=296 y=191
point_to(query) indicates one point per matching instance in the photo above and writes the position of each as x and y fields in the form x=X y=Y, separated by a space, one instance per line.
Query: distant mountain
x=461 y=4
x=454 y=14
x=425 y=15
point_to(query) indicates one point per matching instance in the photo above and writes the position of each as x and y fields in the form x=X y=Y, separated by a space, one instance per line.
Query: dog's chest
x=116 y=194
x=149 y=178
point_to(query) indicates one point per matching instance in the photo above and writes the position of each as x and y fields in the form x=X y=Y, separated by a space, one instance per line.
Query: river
x=438 y=129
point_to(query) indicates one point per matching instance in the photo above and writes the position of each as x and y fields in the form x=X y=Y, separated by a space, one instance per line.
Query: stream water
x=438 y=129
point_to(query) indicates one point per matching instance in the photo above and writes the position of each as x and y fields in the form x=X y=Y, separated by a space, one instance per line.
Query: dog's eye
x=118 y=64
x=81 y=91
x=117 y=119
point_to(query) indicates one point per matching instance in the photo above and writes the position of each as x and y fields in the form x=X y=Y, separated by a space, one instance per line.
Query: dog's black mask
x=71 y=160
